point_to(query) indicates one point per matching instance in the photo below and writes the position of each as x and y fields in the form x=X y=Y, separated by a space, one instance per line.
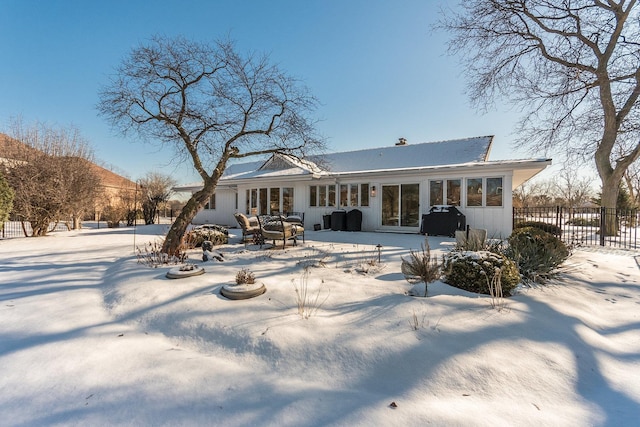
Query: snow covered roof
x=397 y=157
x=459 y=153
x=409 y=156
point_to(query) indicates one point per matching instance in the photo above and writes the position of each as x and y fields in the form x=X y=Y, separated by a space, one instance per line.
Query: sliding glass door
x=401 y=205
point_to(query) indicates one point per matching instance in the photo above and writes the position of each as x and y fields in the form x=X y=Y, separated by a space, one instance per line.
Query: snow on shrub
x=474 y=270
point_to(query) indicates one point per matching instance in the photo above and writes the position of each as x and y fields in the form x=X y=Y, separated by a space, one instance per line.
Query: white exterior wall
x=223 y=213
x=496 y=220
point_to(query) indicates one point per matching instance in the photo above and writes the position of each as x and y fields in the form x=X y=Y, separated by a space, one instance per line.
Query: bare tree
x=6 y=199
x=211 y=105
x=632 y=181
x=48 y=172
x=572 y=66
x=570 y=188
x=531 y=193
x=156 y=189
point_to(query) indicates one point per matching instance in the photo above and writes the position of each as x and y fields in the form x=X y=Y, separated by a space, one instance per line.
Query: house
x=112 y=187
x=392 y=186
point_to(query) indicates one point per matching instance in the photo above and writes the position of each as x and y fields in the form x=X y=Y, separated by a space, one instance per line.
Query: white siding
x=223 y=213
x=496 y=220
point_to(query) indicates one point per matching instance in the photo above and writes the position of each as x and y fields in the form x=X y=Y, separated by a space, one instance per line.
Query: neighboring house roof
x=459 y=153
x=11 y=151
x=110 y=179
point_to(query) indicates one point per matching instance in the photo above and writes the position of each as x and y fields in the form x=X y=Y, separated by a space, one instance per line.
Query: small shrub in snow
x=151 y=255
x=496 y=292
x=474 y=271
x=308 y=302
x=415 y=322
x=245 y=277
x=419 y=267
x=536 y=253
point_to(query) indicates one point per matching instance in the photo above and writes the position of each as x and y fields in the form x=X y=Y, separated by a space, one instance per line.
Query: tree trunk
x=609 y=201
x=173 y=241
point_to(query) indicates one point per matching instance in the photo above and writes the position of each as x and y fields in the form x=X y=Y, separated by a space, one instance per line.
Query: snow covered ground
x=90 y=337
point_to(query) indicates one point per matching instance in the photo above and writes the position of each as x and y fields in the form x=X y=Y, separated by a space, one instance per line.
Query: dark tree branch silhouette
x=573 y=67
x=211 y=105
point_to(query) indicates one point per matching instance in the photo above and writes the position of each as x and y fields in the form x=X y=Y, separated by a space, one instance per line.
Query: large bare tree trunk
x=173 y=242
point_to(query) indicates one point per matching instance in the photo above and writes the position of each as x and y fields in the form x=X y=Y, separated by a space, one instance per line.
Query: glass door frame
x=395 y=189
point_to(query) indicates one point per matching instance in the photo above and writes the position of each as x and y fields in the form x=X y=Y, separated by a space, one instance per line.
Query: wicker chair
x=249 y=226
x=296 y=218
x=275 y=228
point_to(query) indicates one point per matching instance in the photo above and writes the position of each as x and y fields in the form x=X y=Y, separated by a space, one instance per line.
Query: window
x=274 y=200
x=287 y=199
x=211 y=203
x=254 y=202
x=322 y=195
x=436 y=192
x=494 y=191
x=350 y=195
x=364 y=194
x=263 y=201
x=490 y=187
x=353 y=197
x=313 y=195
x=344 y=191
x=453 y=192
x=332 y=196
x=474 y=192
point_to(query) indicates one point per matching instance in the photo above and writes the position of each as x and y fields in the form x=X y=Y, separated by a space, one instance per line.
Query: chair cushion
x=294 y=219
x=242 y=220
x=274 y=230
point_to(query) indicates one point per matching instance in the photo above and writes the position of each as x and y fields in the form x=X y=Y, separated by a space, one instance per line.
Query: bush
x=536 y=253
x=544 y=226
x=474 y=271
x=419 y=267
x=217 y=236
x=584 y=222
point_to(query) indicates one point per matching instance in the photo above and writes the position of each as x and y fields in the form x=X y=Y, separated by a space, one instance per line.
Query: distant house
x=112 y=186
x=392 y=186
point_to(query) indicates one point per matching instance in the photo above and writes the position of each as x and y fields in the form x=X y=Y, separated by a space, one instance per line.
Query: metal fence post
x=603 y=221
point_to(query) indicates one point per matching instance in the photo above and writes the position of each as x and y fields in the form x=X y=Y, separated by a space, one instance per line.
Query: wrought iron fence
x=13 y=229
x=582 y=226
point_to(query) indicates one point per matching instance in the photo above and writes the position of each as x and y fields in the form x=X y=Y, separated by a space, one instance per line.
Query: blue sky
x=376 y=66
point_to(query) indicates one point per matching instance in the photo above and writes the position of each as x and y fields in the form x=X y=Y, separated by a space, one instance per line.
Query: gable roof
x=397 y=157
x=459 y=153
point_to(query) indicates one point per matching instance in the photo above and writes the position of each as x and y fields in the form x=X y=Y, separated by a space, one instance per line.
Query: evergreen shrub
x=544 y=226
x=474 y=271
x=536 y=253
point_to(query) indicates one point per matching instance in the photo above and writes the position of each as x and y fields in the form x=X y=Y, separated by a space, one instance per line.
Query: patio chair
x=275 y=228
x=296 y=218
x=249 y=226
x=471 y=239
